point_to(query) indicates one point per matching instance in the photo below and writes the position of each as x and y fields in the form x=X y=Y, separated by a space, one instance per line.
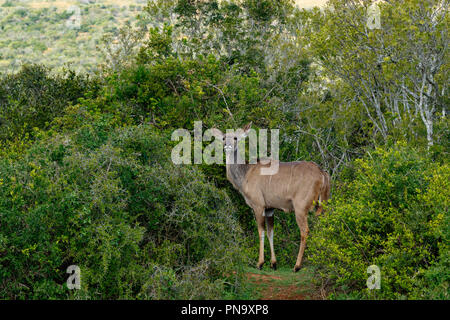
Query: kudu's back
x=296 y=184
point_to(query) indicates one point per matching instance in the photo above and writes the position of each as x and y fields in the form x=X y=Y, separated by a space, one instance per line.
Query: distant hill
x=49 y=32
x=39 y=4
x=66 y=4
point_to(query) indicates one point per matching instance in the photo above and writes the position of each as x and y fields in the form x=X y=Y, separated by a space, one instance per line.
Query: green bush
x=86 y=179
x=8 y=3
x=391 y=212
x=34 y=96
x=113 y=203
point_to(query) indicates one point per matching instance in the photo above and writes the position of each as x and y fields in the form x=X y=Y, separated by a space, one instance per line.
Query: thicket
x=86 y=178
x=33 y=97
x=109 y=200
x=391 y=211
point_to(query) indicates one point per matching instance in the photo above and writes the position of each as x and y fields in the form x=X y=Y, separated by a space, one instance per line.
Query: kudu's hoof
x=274 y=266
x=260 y=265
x=296 y=268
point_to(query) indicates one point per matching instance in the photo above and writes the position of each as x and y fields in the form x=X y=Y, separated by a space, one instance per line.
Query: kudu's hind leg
x=269 y=224
x=261 y=225
x=301 y=215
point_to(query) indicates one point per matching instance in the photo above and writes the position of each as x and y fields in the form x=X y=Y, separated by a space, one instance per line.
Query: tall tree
x=399 y=72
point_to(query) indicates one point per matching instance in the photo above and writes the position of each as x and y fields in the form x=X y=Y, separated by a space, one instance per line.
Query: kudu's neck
x=236 y=172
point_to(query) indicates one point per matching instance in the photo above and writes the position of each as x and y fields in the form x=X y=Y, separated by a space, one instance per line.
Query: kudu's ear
x=246 y=130
x=217 y=133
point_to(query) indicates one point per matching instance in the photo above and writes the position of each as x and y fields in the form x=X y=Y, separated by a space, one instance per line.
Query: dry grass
x=310 y=3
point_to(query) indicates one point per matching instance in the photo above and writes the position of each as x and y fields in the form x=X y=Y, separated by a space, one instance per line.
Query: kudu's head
x=232 y=137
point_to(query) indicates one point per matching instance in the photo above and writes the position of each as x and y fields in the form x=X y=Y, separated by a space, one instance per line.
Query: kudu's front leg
x=260 y=222
x=269 y=225
x=301 y=215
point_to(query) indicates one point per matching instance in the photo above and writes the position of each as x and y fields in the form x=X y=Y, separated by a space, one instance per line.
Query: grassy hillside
x=38 y=31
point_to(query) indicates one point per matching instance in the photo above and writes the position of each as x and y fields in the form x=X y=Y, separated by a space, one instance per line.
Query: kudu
x=297 y=186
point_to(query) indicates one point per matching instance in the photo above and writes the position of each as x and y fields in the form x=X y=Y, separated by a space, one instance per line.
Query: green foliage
x=392 y=212
x=383 y=69
x=8 y=3
x=111 y=202
x=33 y=97
x=85 y=170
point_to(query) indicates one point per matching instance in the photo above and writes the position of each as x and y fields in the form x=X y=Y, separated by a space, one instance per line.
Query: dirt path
x=283 y=285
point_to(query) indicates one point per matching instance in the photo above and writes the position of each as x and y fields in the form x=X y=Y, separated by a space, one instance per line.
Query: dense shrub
x=391 y=212
x=34 y=96
x=113 y=203
x=85 y=174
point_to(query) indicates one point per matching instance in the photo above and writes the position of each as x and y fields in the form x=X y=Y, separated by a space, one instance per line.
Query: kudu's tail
x=324 y=192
